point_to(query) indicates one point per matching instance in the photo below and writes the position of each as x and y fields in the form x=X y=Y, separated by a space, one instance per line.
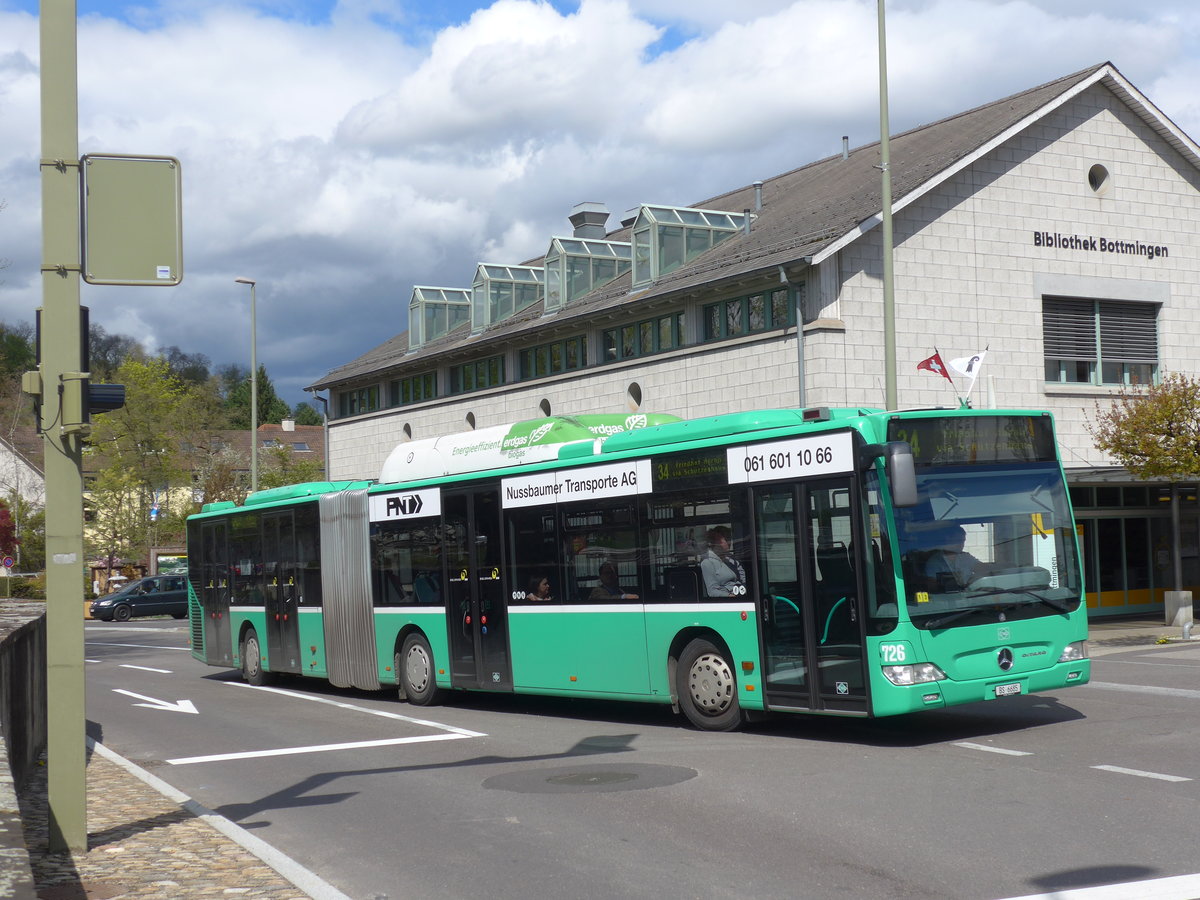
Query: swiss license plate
x=1007 y=690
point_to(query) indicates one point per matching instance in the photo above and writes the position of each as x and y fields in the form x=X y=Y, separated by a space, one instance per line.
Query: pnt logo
x=404 y=505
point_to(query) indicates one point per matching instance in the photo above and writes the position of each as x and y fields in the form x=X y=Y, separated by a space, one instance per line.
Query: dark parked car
x=158 y=595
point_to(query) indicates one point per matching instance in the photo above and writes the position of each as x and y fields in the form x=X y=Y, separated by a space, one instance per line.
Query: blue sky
x=342 y=153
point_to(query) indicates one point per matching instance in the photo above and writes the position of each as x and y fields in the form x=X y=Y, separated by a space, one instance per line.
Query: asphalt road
x=504 y=796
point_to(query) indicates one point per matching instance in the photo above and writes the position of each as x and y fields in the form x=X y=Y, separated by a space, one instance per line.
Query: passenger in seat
x=723 y=575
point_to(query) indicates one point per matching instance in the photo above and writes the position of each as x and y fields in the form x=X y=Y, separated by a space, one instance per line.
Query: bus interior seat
x=426 y=588
x=683 y=583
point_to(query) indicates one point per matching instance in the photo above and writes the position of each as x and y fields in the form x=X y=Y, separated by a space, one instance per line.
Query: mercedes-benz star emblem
x=1004 y=659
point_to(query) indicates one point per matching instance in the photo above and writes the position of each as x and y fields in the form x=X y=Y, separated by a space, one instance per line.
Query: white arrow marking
x=145 y=669
x=179 y=706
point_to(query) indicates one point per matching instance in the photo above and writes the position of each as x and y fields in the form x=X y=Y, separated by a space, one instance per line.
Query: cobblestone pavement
x=141 y=845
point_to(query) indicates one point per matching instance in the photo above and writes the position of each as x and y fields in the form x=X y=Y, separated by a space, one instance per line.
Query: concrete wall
x=23 y=724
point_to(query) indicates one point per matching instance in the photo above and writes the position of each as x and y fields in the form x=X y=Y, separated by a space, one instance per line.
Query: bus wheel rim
x=252 y=660
x=711 y=684
x=416 y=668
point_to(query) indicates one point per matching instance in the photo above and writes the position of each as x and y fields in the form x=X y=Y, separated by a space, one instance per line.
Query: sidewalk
x=147 y=841
x=147 y=844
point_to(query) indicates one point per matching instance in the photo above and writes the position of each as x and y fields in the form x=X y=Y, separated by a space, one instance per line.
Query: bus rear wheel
x=707 y=688
x=418 y=680
x=251 y=654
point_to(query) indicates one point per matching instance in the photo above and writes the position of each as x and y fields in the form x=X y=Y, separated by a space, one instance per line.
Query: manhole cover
x=584 y=779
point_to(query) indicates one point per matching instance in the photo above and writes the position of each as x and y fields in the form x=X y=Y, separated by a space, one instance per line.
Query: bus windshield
x=988 y=543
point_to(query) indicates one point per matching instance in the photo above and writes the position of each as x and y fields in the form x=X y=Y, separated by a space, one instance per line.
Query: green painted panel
x=576 y=649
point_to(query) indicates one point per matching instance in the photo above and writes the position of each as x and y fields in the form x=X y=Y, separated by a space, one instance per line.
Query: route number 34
x=893 y=653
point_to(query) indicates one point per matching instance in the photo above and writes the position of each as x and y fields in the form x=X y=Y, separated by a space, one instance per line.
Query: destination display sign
x=825 y=454
x=415 y=504
x=589 y=483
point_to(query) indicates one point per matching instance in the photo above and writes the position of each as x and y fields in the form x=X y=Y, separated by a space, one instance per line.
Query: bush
x=28 y=588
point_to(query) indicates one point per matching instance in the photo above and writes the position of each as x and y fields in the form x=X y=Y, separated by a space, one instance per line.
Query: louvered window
x=1100 y=341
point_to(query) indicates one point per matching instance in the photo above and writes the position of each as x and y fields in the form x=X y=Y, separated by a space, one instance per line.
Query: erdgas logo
x=538 y=432
x=635 y=421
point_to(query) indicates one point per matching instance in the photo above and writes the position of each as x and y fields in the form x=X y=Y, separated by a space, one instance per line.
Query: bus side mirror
x=901 y=473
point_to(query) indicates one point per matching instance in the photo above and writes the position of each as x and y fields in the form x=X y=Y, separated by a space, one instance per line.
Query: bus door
x=810 y=570
x=214 y=593
x=280 y=592
x=476 y=610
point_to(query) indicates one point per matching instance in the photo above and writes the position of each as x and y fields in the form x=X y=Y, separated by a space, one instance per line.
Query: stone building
x=1054 y=229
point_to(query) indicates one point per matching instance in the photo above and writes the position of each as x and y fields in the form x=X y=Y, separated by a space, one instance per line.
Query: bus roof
x=503 y=446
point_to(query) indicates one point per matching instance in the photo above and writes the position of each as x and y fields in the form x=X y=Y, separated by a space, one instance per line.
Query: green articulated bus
x=851 y=562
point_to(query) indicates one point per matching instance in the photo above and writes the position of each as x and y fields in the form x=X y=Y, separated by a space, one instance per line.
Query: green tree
x=107 y=352
x=271 y=410
x=283 y=466
x=17 y=355
x=144 y=455
x=191 y=367
x=30 y=519
x=305 y=414
x=1153 y=431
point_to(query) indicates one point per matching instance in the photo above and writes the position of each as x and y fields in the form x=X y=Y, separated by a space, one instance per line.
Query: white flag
x=968 y=366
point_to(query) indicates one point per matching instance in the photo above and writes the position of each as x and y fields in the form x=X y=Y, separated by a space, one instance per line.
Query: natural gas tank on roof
x=503 y=446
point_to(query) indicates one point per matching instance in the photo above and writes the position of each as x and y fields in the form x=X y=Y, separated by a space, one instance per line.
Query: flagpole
x=889 y=298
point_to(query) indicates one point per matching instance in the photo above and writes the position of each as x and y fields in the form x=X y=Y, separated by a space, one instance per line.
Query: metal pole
x=324 y=427
x=889 y=299
x=62 y=428
x=253 y=386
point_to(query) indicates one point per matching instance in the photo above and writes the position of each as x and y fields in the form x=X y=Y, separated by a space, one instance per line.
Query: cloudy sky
x=341 y=152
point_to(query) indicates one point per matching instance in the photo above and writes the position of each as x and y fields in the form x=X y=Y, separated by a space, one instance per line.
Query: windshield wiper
x=1052 y=602
x=943 y=621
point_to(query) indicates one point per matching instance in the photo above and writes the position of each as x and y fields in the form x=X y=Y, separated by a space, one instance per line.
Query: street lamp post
x=253 y=387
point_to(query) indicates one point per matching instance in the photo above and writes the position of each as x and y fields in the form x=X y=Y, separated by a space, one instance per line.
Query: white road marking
x=1121 y=770
x=970 y=746
x=1134 y=662
x=1144 y=689
x=453 y=729
x=1175 y=887
x=185 y=706
x=307 y=882
x=145 y=669
x=142 y=646
x=319 y=748
x=85 y=659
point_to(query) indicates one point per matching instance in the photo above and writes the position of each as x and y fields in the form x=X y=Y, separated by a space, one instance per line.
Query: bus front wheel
x=417 y=678
x=707 y=687
x=252 y=669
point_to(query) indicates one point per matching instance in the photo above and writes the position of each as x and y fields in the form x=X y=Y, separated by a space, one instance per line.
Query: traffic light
x=97 y=398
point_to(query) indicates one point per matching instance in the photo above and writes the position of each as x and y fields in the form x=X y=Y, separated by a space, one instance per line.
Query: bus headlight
x=1074 y=651
x=917 y=673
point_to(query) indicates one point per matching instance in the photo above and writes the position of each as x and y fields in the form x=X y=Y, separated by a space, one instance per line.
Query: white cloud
x=343 y=155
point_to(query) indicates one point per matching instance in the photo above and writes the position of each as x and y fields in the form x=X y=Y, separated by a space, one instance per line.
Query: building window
x=475 y=376
x=359 y=400
x=551 y=359
x=747 y=315
x=301 y=446
x=412 y=389
x=666 y=237
x=644 y=338
x=1100 y=341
